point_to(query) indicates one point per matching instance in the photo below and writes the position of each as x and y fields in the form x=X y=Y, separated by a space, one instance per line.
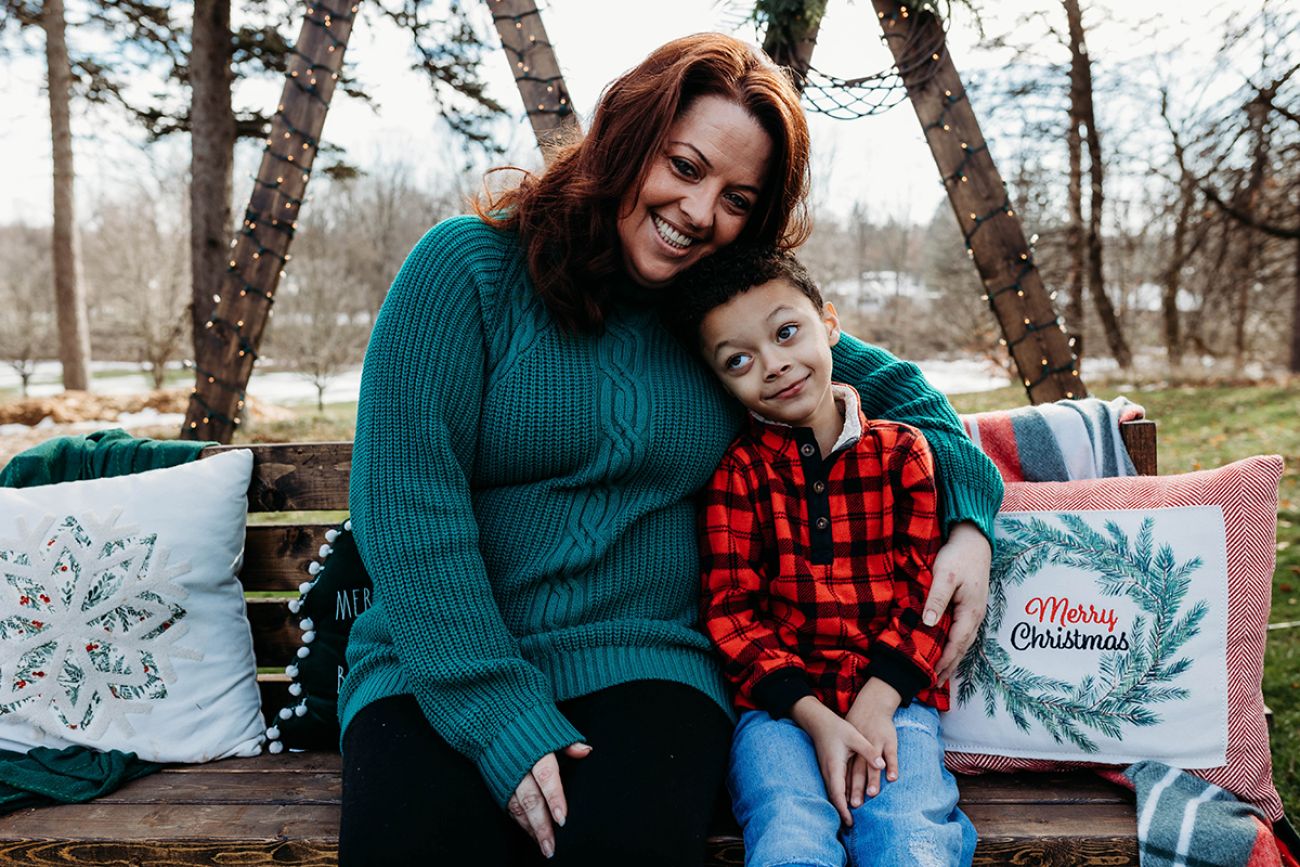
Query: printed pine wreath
x=1135 y=677
x=327 y=605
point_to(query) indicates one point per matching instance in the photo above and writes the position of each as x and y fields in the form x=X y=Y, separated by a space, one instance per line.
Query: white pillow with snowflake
x=122 y=622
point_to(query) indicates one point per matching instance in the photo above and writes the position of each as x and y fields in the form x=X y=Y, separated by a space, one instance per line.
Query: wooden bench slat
x=1061 y=834
x=1071 y=787
x=281 y=763
x=160 y=824
x=276 y=556
x=294 y=477
x=205 y=786
x=172 y=853
x=276 y=636
x=274 y=690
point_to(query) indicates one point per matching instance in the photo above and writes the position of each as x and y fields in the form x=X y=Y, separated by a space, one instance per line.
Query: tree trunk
x=790 y=40
x=255 y=266
x=1082 y=111
x=69 y=293
x=536 y=70
x=1246 y=201
x=1295 y=314
x=212 y=149
x=1169 y=291
x=994 y=237
x=1074 y=309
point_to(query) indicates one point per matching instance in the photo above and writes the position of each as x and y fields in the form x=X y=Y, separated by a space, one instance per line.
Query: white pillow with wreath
x=122 y=622
x=1105 y=640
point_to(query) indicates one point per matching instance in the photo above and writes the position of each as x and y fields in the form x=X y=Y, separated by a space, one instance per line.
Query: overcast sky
x=880 y=160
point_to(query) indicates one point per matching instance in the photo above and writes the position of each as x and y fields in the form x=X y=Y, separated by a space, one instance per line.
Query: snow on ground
x=115 y=377
x=285 y=388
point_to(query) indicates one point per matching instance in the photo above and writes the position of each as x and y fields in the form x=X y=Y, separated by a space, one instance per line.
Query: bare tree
x=212 y=154
x=27 y=329
x=1083 y=117
x=320 y=325
x=140 y=255
x=69 y=293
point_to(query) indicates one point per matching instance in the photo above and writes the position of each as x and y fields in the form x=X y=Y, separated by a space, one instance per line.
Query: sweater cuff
x=895 y=669
x=777 y=692
x=970 y=499
x=529 y=736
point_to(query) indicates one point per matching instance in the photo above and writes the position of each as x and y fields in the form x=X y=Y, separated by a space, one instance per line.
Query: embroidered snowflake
x=89 y=617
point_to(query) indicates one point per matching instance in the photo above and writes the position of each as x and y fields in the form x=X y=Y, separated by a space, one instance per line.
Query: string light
x=306 y=78
x=524 y=70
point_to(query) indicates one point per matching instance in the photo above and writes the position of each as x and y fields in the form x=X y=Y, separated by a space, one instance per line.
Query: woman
x=529 y=441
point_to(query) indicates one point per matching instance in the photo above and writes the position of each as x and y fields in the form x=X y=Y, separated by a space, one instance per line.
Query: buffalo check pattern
x=815 y=569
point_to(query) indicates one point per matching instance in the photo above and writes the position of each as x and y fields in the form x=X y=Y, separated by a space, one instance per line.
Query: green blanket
x=71 y=775
x=77 y=774
x=99 y=455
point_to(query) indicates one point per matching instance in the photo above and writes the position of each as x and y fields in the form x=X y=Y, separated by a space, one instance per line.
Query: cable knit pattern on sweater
x=523 y=499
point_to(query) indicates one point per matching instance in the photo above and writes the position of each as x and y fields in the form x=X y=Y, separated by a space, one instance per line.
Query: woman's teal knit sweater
x=523 y=498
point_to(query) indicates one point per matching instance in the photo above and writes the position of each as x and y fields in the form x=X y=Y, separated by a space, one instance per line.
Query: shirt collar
x=849 y=434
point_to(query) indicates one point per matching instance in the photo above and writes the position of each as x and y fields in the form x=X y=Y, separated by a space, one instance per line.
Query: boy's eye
x=785 y=332
x=736 y=362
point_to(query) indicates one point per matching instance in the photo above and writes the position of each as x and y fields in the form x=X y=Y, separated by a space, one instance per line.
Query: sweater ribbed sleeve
x=410 y=498
x=969 y=486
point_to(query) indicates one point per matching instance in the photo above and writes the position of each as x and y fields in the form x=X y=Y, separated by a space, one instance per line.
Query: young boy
x=817 y=535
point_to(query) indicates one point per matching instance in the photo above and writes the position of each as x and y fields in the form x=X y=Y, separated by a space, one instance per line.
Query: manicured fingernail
x=548 y=848
x=559 y=818
x=930 y=617
x=892 y=776
x=880 y=763
x=871 y=790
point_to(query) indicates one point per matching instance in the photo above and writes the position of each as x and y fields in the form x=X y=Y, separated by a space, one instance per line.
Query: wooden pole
x=262 y=244
x=791 y=39
x=536 y=70
x=995 y=240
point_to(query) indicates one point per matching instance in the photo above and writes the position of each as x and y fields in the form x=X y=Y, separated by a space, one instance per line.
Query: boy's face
x=771 y=347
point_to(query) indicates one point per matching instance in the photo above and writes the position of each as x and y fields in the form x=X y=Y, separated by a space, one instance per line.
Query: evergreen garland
x=1127 y=682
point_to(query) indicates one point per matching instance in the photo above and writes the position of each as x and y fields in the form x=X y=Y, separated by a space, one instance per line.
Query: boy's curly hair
x=732 y=270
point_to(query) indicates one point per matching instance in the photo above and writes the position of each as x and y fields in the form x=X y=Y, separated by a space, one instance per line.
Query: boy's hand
x=872 y=714
x=837 y=742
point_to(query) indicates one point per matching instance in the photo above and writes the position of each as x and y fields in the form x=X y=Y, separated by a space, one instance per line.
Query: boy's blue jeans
x=780 y=800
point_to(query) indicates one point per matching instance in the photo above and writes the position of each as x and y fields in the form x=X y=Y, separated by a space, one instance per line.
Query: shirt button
x=819 y=487
x=823 y=523
x=807 y=450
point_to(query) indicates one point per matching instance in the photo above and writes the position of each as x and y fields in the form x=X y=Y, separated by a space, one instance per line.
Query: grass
x=1208 y=426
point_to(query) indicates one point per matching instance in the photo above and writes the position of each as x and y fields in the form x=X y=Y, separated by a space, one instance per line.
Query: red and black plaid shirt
x=815 y=570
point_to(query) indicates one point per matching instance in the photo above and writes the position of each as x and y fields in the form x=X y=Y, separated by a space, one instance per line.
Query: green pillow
x=326 y=606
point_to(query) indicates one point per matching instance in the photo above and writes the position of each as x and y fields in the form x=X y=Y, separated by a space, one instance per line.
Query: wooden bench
x=284 y=809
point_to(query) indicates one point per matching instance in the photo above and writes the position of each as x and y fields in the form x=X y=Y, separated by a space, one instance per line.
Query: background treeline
x=1162 y=195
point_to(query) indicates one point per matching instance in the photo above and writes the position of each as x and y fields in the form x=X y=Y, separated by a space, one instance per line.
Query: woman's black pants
x=645 y=794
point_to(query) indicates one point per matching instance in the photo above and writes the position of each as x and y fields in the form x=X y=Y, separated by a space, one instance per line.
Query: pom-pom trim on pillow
x=274 y=743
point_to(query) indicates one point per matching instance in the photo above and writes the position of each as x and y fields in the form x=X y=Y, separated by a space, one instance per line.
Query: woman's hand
x=837 y=743
x=961 y=576
x=539 y=798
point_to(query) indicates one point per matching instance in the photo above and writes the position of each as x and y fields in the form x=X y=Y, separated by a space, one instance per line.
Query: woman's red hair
x=567 y=217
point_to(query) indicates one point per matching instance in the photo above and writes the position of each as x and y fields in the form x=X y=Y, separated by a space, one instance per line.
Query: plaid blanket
x=1056 y=442
x=1184 y=821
